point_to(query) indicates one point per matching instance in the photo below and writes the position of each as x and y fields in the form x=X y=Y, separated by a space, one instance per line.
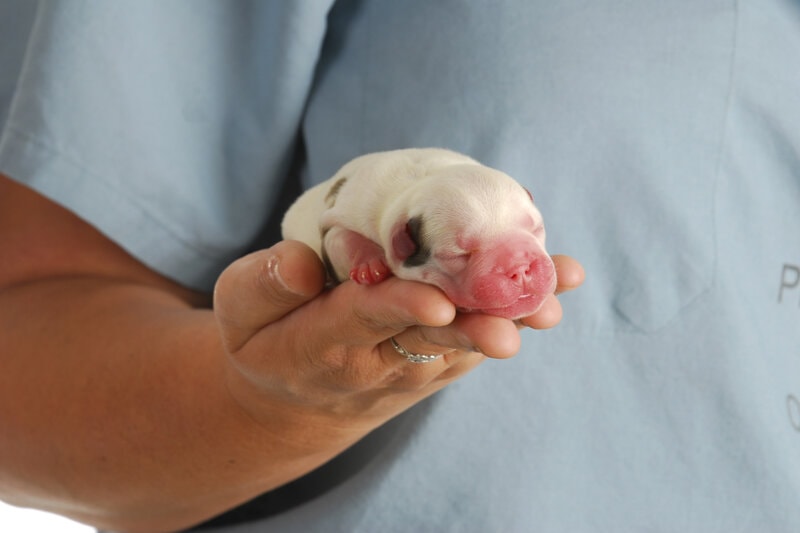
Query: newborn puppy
x=433 y=216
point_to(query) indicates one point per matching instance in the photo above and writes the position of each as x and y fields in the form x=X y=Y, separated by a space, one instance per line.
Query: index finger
x=569 y=273
x=356 y=314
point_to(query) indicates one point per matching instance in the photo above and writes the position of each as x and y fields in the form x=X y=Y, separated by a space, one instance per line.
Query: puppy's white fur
x=477 y=224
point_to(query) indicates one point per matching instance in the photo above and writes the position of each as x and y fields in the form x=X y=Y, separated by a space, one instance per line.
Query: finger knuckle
x=333 y=360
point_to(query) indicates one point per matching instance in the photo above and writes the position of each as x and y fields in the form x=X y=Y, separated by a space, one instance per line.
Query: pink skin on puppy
x=434 y=216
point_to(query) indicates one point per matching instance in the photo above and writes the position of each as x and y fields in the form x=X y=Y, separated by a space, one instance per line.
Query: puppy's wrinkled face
x=475 y=233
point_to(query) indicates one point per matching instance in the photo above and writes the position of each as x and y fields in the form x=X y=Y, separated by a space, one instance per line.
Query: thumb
x=262 y=287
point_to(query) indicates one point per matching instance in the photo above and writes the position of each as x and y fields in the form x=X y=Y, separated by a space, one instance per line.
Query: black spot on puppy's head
x=330 y=198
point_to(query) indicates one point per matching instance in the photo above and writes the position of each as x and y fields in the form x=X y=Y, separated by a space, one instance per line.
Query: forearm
x=115 y=410
x=128 y=404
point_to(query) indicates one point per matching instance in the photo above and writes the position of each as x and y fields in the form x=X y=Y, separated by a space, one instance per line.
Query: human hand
x=295 y=351
x=295 y=376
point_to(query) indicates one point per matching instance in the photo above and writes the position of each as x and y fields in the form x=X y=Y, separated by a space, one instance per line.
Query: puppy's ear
x=408 y=243
x=333 y=192
x=529 y=195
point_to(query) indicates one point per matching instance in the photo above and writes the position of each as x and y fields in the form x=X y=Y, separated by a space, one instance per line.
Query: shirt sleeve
x=168 y=126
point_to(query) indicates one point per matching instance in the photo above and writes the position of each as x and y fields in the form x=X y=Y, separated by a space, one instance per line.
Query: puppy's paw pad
x=370 y=273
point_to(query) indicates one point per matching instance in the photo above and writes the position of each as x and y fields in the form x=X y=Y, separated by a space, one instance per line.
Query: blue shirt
x=662 y=143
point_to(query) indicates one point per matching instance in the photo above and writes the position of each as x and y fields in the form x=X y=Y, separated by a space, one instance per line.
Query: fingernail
x=273 y=272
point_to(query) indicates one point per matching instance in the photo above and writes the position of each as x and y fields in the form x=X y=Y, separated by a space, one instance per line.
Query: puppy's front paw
x=368 y=273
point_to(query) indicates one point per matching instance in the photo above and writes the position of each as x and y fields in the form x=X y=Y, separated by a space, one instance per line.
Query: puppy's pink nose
x=517 y=269
x=520 y=274
x=525 y=270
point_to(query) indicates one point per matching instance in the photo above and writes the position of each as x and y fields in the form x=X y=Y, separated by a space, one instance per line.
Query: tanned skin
x=131 y=403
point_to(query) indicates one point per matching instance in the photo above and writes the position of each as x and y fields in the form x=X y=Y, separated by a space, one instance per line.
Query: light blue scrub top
x=662 y=143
